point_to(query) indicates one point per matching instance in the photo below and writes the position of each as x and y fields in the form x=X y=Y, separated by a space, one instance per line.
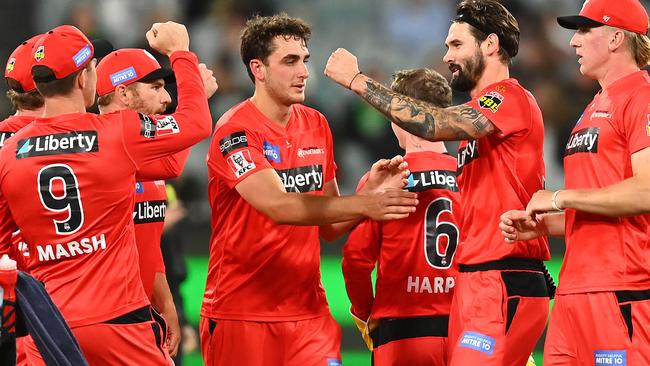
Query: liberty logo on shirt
x=478 y=342
x=4 y=136
x=272 y=152
x=584 y=140
x=432 y=179
x=241 y=162
x=491 y=101
x=75 y=142
x=610 y=357
x=302 y=179
x=467 y=154
x=149 y=211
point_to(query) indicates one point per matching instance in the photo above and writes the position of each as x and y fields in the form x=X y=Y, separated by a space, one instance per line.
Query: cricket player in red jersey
x=133 y=79
x=78 y=220
x=407 y=318
x=271 y=181
x=602 y=309
x=501 y=298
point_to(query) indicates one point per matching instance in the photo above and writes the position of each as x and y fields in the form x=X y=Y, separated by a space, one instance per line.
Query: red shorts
x=135 y=343
x=21 y=355
x=496 y=317
x=311 y=342
x=599 y=328
x=418 y=341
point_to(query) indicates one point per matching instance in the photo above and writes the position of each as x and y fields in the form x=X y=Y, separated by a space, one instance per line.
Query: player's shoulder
x=309 y=114
x=239 y=115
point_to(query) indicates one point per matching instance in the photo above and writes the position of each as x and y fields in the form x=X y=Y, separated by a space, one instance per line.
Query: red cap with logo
x=624 y=14
x=19 y=65
x=65 y=50
x=126 y=66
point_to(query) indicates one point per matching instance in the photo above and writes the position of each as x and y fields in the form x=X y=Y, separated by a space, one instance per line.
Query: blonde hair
x=639 y=46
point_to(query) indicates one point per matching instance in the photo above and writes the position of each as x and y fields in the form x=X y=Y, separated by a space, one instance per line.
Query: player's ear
x=491 y=44
x=120 y=93
x=82 y=79
x=257 y=69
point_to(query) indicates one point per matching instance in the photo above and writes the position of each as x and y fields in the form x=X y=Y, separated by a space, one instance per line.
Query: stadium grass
x=193 y=287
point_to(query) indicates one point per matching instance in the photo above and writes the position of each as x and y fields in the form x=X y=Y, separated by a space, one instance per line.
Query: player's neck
x=38 y=112
x=615 y=70
x=416 y=144
x=64 y=104
x=274 y=111
x=112 y=107
x=494 y=72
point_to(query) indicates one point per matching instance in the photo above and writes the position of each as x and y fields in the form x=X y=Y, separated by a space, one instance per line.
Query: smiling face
x=464 y=56
x=285 y=70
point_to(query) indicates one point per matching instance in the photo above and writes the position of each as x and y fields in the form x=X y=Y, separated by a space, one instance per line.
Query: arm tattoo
x=423 y=119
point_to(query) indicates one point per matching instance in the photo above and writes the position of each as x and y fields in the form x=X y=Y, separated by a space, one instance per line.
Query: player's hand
x=385 y=174
x=209 y=81
x=168 y=38
x=173 y=334
x=518 y=225
x=342 y=67
x=540 y=203
x=390 y=204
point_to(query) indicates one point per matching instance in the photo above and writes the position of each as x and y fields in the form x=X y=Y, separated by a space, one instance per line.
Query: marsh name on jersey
x=49 y=252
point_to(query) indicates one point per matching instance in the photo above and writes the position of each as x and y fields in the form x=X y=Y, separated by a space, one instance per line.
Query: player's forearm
x=161 y=298
x=302 y=209
x=554 y=223
x=168 y=167
x=627 y=198
x=423 y=119
x=334 y=231
x=192 y=110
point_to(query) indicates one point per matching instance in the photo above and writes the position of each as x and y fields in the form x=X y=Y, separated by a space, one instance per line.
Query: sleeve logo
x=272 y=152
x=233 y=142
x=147 y=126
x=478 y=342
x=241 y=162
x=610 y=357
x=491 y=101
x=167 y=126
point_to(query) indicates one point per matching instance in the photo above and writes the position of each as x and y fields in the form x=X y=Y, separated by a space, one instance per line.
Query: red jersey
x=68 y=182
x=607 y=253
x=149 y=217
x=259 y=270
x=501 y=172
x=415 y=262
x=8 y=128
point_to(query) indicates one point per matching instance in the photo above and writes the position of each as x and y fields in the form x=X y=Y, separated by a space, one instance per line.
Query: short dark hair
x=489 y=16
x=259 y=33
x=55 y=86
x=21 y=100
x=423 y=84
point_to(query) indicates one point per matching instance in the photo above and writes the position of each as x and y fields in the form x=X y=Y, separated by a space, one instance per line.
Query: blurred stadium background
x=386 y=35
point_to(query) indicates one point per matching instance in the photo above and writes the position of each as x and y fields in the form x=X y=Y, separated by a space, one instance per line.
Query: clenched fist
x=168 y=38
x=209 y=81
x=342 y=67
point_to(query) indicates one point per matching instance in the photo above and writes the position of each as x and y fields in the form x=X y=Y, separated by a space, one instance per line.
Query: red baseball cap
x=19 y=65
x=128 y=65
x=65 y=49
x=624 y=14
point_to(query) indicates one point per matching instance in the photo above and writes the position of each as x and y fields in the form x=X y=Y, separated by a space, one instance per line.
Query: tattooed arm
x=422 y=119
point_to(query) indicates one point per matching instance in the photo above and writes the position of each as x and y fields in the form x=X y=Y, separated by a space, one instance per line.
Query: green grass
x=193 y=287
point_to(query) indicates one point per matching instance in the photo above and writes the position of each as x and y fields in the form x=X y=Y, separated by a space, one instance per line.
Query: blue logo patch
x=479 y=342
x=123 y=76
x=139 y=187
x=27 y=147
x=272 y=152
x=334 y=362
x=610 y=357
x=82 y=55
x=411 y=182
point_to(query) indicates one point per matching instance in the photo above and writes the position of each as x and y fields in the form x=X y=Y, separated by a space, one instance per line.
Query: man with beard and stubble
x=501 y=302
x=132 y=78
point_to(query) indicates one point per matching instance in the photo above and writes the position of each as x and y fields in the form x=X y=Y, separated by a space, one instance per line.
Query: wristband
x=554 y=201
x=354 y=77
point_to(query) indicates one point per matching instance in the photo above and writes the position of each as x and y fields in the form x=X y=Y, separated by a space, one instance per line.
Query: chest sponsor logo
x=607 y=357
x=233 y=142
x=432 y=179
x=241 y=162
x=467 y=154
x=50 y=252
x=491 y=101
x=139 y=187
x=306 y=151
x=601 y=114
x=303 y=179
x=4 y=136
x=75 y=142
x=149 y=211
x=272 y=152
x=479 y=342
x=584 y=140
x=123 y=76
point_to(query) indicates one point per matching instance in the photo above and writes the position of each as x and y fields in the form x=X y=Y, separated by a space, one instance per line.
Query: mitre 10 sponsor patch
x=432 y=179
x=303 y=179
x=4 y=136
x=75 y=142
x=584 y=140
x=610 y=357
x=149 y=211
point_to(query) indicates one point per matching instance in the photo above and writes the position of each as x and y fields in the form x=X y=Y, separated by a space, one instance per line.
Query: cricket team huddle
x=458 y=241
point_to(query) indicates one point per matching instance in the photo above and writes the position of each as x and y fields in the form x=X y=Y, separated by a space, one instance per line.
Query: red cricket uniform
x=497 y=173
x=68 y=182
x=258 y=270
x=606 y=268
x=415 y=267
x=8 y=128
x=149 y=217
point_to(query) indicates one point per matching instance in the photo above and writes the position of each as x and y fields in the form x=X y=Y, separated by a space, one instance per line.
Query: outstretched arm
x=422 y=119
